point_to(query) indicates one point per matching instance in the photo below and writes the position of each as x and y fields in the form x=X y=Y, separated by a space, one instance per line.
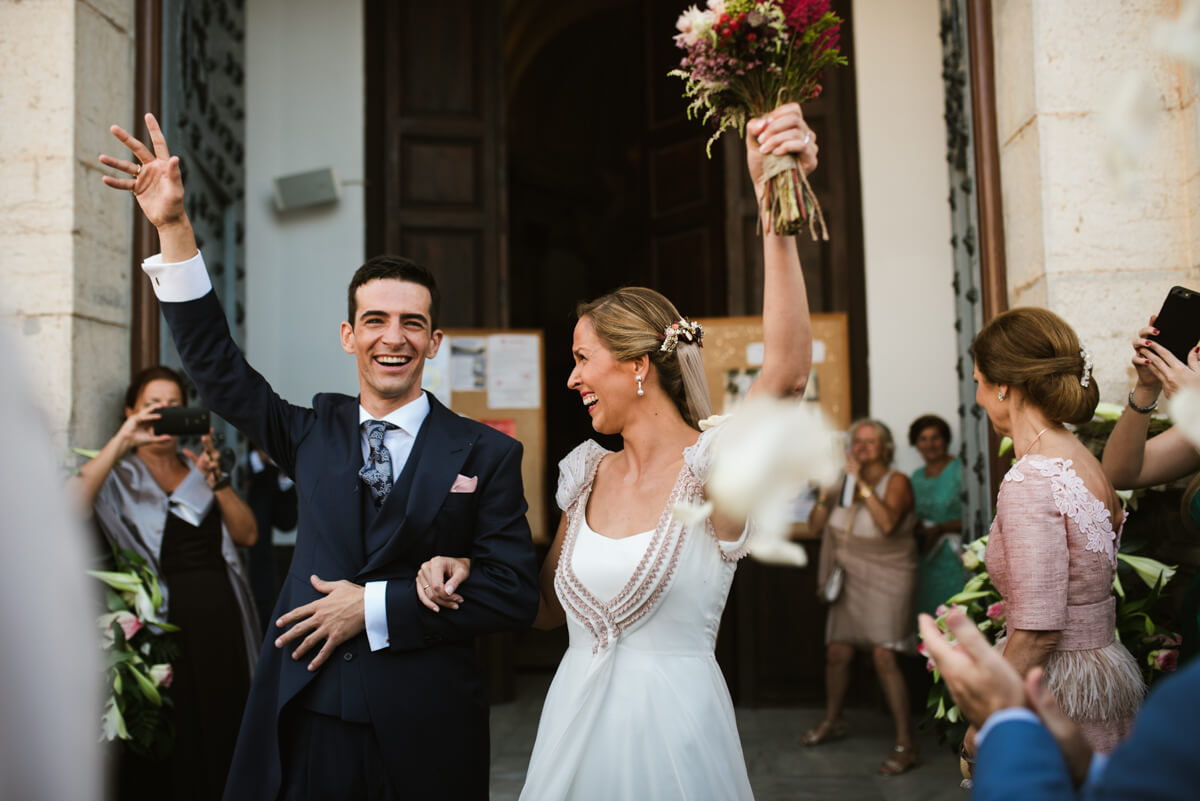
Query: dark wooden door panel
x=435 y=142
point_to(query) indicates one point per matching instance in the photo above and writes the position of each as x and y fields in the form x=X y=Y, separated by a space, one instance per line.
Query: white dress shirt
x=188 y=280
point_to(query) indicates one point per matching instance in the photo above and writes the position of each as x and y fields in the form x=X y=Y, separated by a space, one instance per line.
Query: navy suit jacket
x=1159 y=761
x=424 y=693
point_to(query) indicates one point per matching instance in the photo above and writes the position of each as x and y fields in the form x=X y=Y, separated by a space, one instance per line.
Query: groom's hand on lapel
x=335 y=618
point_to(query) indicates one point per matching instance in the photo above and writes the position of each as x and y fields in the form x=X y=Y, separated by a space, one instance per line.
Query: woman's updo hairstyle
x=1035 y=350
x=630 y=322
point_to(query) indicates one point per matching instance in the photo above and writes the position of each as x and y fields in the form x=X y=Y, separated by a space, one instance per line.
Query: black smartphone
x=181 y=420
x=1178 y=323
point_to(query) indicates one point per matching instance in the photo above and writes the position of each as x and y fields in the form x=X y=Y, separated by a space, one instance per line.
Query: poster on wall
x=513 y=378
x=436 y=378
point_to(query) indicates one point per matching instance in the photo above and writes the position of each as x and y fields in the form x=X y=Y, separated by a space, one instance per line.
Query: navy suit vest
x=337 y=689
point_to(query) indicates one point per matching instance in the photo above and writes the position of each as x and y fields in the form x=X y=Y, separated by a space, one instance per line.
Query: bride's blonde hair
x=630 y=322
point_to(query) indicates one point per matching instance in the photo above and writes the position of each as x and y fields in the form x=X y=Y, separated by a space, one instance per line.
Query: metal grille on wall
x=960 y=146
x=203 y=118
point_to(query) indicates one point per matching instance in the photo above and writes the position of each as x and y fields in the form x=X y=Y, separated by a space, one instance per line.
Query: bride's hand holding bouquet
x=745 y=58
x=781 y=135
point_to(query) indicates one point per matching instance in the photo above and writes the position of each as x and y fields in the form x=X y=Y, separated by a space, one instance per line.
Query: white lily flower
x=113 y=724
x=1148 y=570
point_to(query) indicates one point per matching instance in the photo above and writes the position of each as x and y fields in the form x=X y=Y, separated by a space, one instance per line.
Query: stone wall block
x=1111 y=39
x=120 y=14
x=97 y=388
x=1020 y=164
x=44 y=342
x=37 y=60
x=1090 y=224
x=36 y=194
x=103 y=84
x=102 y=243
x=1106 y=314
x=1013 y=38
x=37 y=274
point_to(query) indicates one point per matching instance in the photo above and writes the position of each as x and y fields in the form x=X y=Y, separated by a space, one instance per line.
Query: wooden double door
x=536 y=154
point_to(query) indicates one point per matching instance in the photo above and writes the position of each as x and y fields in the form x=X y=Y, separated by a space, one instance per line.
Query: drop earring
x=641 y=391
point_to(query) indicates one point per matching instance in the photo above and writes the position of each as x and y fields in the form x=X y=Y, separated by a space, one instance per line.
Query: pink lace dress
x=638 y=707
x=1052 y=554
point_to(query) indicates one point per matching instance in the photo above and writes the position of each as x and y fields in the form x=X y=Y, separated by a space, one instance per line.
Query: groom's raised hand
x=335 y=618
x=157 y=183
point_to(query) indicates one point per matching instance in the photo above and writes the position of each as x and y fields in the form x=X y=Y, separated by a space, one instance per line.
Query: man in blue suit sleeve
x=1028 y=749
x=362 y=690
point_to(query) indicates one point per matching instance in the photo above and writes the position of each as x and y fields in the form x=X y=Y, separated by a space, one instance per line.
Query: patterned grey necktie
x=377 y=472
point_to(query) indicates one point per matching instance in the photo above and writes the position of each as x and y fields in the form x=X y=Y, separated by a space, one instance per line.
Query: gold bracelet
x=865 y=493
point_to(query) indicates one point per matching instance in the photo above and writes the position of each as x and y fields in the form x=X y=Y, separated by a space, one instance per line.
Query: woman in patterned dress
x=1052 y=550
x=638 y=707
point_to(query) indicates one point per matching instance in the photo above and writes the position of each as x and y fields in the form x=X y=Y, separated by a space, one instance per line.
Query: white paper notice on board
x=818 y=351
x=513 y=378
x=468 y=363
x=754 y=354
x=436 y=376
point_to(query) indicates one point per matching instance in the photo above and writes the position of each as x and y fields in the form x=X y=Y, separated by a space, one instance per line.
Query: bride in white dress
x=638 y=707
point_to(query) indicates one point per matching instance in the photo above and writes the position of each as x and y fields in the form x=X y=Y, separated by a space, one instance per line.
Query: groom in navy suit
x=362 y=690
x=1027 y=749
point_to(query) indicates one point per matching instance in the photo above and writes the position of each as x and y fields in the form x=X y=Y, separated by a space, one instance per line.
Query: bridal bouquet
x=745 y=58
x=138 y=653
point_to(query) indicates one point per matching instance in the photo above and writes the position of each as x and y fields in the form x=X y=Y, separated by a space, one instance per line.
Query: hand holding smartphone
x=1178 y=322
x=181 y=420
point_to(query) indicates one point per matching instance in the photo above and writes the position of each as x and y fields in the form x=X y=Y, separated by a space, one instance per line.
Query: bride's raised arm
x=787 y=326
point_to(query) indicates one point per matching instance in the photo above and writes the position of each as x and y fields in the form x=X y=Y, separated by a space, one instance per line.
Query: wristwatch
x=865 y=492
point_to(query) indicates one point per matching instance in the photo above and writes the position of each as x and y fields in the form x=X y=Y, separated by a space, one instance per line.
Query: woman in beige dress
x=867 y=524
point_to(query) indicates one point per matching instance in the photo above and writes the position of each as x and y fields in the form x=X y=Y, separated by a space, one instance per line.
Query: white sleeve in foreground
x=178 y=282
x=375 y=613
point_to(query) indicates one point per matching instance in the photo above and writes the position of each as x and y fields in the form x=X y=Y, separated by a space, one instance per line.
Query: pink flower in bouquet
x=162 y=675
x=717 y=6
x=1166 y=659
x=941 y=610
x=996 y=611
x=129 y=623
x=799 y=14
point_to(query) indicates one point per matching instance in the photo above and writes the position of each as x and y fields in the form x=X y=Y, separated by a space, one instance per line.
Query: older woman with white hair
x=868 y=574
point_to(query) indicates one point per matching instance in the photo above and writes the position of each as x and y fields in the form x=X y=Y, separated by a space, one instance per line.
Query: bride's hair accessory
x=1086 y=378
x=683 y=329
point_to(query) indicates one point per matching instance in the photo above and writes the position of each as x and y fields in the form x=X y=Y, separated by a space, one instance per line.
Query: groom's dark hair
x=396 y=268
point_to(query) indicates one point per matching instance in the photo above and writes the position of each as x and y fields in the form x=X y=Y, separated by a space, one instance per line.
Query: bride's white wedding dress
x=638 y=708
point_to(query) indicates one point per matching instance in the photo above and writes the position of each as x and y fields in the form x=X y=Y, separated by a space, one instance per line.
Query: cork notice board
x=733 y=357
x=497 y=377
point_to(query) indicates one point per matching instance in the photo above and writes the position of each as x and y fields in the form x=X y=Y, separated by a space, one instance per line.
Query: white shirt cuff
x=179 y=282
x=1003 y=716
x=375 y=612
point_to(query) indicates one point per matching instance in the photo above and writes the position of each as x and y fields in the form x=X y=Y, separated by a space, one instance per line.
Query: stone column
x=1101 y=256
x=65 y=243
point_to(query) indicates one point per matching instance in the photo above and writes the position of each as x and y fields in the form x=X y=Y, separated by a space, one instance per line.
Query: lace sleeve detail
x=576 y=470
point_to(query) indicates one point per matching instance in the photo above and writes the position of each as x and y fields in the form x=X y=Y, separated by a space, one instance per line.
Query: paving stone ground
x=780 y=768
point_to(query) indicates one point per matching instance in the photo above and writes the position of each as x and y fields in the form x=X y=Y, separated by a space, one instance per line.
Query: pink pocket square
x=464 y=483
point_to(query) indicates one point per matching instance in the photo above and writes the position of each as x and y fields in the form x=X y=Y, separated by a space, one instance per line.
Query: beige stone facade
x=1102 y=256
x=66 y=239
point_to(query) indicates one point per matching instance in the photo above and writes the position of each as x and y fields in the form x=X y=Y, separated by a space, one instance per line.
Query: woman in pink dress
x=1052 y=550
